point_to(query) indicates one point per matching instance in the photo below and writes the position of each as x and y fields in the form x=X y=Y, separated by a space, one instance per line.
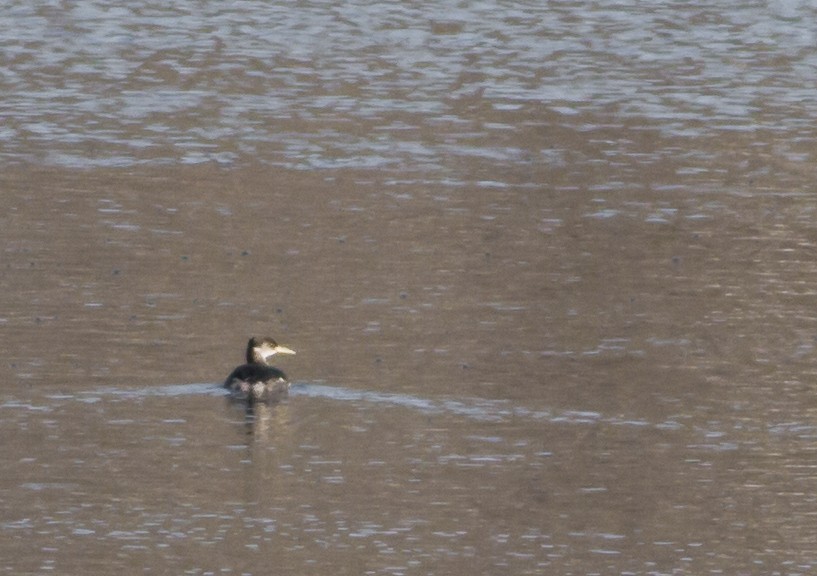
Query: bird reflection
x=262 y=421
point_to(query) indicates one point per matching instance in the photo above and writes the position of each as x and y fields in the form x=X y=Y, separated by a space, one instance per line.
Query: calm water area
x=549 y=269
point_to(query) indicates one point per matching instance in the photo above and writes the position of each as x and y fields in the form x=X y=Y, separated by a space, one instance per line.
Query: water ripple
x=386 y=84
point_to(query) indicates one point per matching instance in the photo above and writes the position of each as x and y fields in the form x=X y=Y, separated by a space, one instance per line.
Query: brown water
x=549 y=270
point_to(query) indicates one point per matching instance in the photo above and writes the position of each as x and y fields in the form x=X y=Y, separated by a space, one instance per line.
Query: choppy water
x=548 y=267
x=395 y=85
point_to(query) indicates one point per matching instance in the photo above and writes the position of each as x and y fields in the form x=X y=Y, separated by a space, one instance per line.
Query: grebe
x=257 y=381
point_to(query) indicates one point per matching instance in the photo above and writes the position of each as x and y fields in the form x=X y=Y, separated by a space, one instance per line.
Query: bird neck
x=254 y=355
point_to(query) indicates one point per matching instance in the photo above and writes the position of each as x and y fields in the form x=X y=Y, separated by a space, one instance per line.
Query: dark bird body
x=257 y=381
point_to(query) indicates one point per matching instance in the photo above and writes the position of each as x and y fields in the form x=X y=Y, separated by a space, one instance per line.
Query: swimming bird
x=257 y=381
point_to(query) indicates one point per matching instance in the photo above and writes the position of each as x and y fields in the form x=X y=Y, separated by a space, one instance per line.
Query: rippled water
x=393 y=85
x=548 y=268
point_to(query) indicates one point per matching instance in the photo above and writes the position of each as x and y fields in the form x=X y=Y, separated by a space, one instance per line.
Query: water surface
x=548 y=267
